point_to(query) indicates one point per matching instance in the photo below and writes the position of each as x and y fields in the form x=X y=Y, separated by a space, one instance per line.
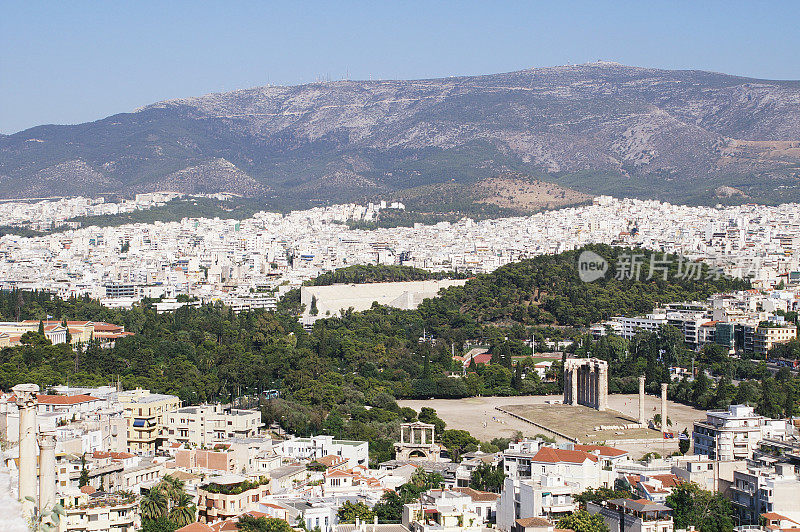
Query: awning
x=138 y=422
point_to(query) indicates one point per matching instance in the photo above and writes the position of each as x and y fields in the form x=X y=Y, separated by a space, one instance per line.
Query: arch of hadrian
x=416 y=442
x=586 y=382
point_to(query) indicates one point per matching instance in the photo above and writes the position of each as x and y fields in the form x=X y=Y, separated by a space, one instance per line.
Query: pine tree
x=84 y=479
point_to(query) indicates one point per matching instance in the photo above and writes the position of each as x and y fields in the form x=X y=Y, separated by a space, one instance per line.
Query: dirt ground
x=580 y=423
x=478 y=416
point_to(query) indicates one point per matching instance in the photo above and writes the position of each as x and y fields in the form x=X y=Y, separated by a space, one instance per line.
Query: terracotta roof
x=331 y=460
x=195 y=527
x=339 y=473
x=526 y=522
x=648 y=488
x=482 y=359
x=271 y=505
x=59 y=399
x=223 y=526
x=112 y=455
x=772 y=516
x=87 y=489
x=668 y=481
x=103 y=326
x=603 y=449
x=65 y=399
x=183 y=475
x=478 y=495
x=554 y=456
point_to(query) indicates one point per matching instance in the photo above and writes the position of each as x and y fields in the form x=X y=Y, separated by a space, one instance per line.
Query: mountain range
x=680 y=135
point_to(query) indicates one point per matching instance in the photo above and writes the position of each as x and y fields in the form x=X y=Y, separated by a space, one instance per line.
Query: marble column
x=587 y=386
x=47 y=471
x=664 y=417
x=587 y=389
x=602 y=404
x=26 y=404
x=574 y=383
x=642 y=420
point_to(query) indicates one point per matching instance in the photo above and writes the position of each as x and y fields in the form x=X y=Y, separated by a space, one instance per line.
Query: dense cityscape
x=400 y=266
x=230 y=260
x=112 y=452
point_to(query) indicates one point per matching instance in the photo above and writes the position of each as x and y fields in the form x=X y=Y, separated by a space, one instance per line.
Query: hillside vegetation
x=330 y=375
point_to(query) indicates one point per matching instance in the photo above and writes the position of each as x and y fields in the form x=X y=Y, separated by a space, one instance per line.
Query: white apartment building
x=733 y=434
x=628 y=327
x=445 y=511
x=100 y=512
x=355 y=452
x=517 y=458
x=201 y=426
x=759 y=490
x=709 y=474
x=548 y=496
x=580 y=467
x=146 y=413
x=768 y=335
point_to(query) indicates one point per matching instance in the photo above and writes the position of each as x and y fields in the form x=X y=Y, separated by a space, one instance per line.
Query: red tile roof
x=110 y=327
x=112 y=455
x=554 y=456
x=331 y=460
x=195 y=527
x=60 y=399
x=339 y=473
x=478 y=496
x=65 y=399
x=603 y=449
x=668 y=481
x=482 y=359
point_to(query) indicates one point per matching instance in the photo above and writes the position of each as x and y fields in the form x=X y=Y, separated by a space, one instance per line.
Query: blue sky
x=70 y=62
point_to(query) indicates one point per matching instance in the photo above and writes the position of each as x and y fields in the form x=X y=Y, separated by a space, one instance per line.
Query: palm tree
x=154 y=504
x=172 y=487
x=183 y=513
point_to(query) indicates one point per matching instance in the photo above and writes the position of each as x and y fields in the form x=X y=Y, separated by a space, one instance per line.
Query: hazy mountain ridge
x=682 y=130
